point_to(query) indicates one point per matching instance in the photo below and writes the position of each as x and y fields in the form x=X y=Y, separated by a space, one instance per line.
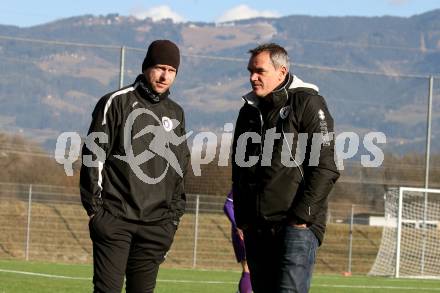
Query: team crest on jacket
x=321 y=115
x=284 y=112
x=167 y=123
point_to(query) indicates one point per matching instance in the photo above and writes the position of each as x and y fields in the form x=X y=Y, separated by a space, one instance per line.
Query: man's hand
x=297 y=222
x=240 y=234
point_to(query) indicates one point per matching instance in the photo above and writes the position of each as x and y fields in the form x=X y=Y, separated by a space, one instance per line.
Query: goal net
x=410 y=244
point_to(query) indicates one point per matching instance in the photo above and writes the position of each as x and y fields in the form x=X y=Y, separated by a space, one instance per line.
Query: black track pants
x=127 y=249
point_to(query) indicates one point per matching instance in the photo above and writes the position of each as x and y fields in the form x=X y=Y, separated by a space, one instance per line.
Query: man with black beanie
x=132 y=178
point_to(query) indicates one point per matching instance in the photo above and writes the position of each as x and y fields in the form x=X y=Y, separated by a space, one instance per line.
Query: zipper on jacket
x=261 y=153
x=261 y=156
x=262 y=134
x=285 y=140
x=261 y=130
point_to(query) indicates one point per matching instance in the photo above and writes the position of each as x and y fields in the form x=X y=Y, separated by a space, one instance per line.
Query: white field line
x=88 y=279
x=195 y=282
x=388 y=280
x=43 y=275
x=418 y=289
x=225 y=282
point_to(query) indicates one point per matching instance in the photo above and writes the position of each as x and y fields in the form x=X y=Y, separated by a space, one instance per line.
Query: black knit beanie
x=162 y=52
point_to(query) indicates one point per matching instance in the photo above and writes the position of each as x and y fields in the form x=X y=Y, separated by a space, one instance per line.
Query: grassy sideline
x=40 y=277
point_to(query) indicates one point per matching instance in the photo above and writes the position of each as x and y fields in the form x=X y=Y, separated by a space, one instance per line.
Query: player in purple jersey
x=238 y=243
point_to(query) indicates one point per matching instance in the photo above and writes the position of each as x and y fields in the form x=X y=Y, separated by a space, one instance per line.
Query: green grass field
x=38 y=277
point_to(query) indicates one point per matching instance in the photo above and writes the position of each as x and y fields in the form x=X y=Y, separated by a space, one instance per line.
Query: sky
x=29 y=13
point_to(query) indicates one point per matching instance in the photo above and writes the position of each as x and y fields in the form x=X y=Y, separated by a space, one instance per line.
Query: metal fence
x=48 y=223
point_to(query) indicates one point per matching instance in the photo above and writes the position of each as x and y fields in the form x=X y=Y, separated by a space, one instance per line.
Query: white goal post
x=410 y=245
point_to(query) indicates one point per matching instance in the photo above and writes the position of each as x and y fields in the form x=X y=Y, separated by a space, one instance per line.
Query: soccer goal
x=410 y=245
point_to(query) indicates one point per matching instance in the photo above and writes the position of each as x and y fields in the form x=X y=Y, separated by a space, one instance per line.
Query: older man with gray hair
x=280 y=200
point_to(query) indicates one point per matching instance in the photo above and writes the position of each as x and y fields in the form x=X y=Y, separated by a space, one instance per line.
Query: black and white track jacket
x=134 y=178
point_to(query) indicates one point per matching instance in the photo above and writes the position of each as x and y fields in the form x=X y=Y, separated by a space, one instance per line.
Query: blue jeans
x=281 y=259
x=297 y=260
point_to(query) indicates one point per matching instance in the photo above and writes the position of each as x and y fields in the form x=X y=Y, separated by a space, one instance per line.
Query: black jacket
x=278 y=188
x=121 y=184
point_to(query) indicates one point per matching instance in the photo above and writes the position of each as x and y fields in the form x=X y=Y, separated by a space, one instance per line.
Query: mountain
x=372 y=70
